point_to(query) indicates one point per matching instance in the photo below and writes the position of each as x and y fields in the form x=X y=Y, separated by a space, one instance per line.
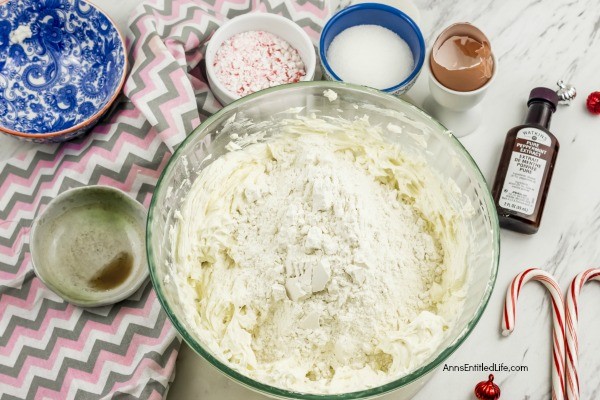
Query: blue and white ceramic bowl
x=375 y=14
x=62 y=65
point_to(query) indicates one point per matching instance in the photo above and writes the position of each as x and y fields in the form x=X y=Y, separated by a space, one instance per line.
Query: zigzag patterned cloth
x=50 y=349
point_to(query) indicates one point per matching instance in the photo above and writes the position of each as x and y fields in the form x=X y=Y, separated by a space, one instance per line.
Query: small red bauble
x=487 y=390
x=593 y=103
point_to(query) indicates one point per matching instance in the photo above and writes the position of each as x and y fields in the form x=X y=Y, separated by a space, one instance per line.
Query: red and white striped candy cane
x=572 y=317
x=558 y=313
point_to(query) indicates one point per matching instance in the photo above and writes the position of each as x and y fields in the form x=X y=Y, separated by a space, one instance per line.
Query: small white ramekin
x=275 y=24
x=458 y=111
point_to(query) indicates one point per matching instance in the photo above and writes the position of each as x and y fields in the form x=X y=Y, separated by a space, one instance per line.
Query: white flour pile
x=321 y=262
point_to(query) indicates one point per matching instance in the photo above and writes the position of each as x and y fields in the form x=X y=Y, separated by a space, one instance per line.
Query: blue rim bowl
x=62 y=65
x=375 y=14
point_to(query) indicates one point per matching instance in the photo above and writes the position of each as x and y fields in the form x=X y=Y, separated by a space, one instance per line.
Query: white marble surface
x=536 y=43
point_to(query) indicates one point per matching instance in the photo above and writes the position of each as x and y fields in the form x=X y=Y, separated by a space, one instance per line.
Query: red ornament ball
x=487 y=390
x=593 y=103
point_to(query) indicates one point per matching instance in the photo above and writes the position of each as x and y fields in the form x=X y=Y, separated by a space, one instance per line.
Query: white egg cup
x=460 y=112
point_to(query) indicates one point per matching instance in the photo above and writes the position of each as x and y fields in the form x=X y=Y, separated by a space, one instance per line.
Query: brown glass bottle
x=526 y=166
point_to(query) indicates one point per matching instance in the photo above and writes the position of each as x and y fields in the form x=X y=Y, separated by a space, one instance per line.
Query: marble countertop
x=536 y=43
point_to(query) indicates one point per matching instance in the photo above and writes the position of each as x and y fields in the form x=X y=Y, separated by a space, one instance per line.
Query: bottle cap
x=545 y=94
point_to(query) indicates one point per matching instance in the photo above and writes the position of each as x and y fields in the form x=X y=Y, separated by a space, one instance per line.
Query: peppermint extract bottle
x=526 y=166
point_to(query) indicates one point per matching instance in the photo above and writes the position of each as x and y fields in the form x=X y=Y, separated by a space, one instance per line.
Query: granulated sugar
x=251 y=61
x=370 y=55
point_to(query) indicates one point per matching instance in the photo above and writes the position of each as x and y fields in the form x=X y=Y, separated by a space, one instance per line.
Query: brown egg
x=461 y=58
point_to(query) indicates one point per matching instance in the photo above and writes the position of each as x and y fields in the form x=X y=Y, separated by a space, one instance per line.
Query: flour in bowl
x=324 y=259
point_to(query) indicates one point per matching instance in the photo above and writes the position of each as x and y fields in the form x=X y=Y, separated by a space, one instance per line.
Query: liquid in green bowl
x=88 y=245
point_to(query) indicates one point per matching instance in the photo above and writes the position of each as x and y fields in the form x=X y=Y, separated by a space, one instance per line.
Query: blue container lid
x=375 y=14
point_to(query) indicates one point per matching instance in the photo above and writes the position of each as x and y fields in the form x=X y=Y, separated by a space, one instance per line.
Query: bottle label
x=525 y=173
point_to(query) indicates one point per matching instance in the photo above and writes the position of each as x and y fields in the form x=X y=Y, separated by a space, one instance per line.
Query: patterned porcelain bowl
x=62 y=64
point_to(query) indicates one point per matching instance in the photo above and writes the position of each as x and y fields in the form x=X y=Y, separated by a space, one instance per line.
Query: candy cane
x=572 y=317
x=558 y=313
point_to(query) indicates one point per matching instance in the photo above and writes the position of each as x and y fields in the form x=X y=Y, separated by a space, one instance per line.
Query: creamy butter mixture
x=324 y=259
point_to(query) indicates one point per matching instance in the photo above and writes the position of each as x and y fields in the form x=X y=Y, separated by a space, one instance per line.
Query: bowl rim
x=90 y=120
x=210 y=72
x=374 y=6
x=111 y=296
x=284 y=393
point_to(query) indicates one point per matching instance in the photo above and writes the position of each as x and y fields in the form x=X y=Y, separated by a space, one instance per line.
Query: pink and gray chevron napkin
x=50 y=349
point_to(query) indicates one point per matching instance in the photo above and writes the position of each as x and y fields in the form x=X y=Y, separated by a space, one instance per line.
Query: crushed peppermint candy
x=251 y=61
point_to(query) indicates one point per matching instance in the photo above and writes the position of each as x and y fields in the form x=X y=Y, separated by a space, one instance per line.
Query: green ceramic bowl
x=87 y=246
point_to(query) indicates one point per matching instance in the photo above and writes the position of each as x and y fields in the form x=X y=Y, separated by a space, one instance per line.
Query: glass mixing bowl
x=263 y=111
